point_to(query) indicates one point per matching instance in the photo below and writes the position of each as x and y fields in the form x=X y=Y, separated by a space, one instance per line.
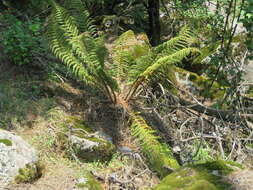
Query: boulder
x=16 y=155
x=209 y=176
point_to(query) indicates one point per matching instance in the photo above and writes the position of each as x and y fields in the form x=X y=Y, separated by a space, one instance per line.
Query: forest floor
x=29 y=102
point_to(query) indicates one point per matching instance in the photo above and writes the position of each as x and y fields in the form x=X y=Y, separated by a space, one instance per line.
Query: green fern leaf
x=159 y=155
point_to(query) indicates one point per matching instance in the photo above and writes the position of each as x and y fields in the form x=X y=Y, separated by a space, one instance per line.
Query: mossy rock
x=202 y=83
x=7 y=142
x=29 y=173
x=209 y=176
x=78 y=138
x=88 y=182
x=93 y=149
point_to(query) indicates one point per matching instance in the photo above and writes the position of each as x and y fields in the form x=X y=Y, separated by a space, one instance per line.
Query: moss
x=7 y=142
x=29 y=173
x=203 y=83
x=223 y=167
x=90 y=183
x=199 y=177
x=78 y=124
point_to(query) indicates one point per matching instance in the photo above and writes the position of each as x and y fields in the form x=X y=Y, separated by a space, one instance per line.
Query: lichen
x=29 y=173
x=209 y=175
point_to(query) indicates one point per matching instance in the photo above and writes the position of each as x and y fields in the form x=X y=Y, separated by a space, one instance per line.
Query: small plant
x=20 y=39
x=29 y=173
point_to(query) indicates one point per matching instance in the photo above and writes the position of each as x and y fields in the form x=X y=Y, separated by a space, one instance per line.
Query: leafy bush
x=20 y=39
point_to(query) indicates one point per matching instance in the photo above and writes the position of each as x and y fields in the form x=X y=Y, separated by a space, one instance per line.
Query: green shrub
x=20 y=39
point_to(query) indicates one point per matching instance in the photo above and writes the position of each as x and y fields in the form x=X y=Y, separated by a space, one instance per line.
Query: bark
x=154 y=22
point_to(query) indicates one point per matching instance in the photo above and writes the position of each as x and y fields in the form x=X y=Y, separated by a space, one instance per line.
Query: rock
x=209 y=176
x=198 y=84
x=88 y=182
x=125 y=150
x=84 y=142
x=241 y=179
x=248 y=76
x=15 y=156
x=92 y=148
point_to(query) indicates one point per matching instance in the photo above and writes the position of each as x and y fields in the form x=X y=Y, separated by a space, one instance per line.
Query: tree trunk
x=154 y=22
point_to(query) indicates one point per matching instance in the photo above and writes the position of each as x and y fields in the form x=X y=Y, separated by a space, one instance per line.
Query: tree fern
x=159 y=155
x=71 y=38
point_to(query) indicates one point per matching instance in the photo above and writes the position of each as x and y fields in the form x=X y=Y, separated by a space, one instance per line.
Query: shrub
x=20 y=39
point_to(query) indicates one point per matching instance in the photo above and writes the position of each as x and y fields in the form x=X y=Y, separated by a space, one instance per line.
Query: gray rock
x=92 y=148
x=248 y=76
x=14 y=156
x=125 y=149
x=82 y=143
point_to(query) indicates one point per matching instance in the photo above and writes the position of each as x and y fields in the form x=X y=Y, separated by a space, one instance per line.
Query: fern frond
x=79 y=51
x=141 y=65
x=65 y=21
x=63 y=51
x=159 y=155
x=183 y=40
x=166 y=61
x=121 y=65
x=80 y=14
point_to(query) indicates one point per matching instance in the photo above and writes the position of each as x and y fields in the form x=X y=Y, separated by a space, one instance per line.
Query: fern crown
x=72 y=38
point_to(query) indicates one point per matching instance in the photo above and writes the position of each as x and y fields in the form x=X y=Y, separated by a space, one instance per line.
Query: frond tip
x=159 y=155
x=168 y=60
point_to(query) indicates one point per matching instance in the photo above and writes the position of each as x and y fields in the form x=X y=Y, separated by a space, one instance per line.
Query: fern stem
x=133 y=89
x=108 y=91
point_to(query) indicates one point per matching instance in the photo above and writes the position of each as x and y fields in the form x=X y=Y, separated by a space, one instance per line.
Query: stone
x=92 y=148
x=15 y=154
x=209 y=175
x=85 y=143
x=248 y=76
x=88 y=182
